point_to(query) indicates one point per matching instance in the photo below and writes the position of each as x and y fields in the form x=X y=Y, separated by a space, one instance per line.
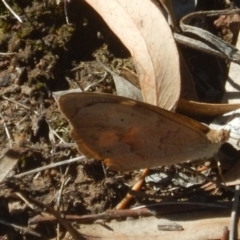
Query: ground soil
x=45 y=54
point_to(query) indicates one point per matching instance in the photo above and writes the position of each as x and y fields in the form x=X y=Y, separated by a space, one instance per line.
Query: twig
x=7 y=131
x=66 y=12
x=219 y=168
x=92 y=218
x=20 y=104
x=7 y=54
x=20 y=196
x=180 y=203
x=61 y=188
x=21 y=228
x=74 y=233
x=11 y=10
x=149 y=210
x=69 y=161
x=137 y=186
x=54 y=132
x=233 y=223
x=59 y=199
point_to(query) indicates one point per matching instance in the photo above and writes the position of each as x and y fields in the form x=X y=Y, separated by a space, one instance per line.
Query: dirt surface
x=42 y=55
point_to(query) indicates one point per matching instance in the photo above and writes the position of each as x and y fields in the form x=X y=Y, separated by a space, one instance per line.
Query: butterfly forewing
x=132 y=135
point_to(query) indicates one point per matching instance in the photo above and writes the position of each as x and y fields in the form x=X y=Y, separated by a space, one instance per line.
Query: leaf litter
x=43 y=55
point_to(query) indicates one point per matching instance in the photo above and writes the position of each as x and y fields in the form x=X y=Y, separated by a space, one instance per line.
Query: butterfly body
x=131 y=135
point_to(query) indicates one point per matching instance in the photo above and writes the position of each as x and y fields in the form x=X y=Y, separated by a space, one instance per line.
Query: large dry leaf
x=142 y=28
x=197 y=226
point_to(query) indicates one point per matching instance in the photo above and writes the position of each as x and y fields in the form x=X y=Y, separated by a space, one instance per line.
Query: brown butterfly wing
x=131 y=135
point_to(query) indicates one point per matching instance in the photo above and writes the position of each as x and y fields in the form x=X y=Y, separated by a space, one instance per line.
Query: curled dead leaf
x=142 y=28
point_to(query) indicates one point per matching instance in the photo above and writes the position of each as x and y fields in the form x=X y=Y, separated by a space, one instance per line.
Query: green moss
x=25 y=31
x=39 y=85
x=4 y=28
x=22 y=162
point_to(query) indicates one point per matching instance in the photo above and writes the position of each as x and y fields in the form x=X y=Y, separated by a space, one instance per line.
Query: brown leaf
x=142 y=28
x=191 y=108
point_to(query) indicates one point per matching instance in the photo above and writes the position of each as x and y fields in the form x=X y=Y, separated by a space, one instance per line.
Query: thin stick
x=136 y=187
x=74 y=233
x=7 y=131
x=69 y=161
x=20 y=104
x=233 y=223
x=66 y=12
x=61 y=188
x=214 y=205
x=141 y=211
x=54 y=133
x=11 y=10
x=20 y=228
x=7 y=54
x=20 y=195
x=59 y=195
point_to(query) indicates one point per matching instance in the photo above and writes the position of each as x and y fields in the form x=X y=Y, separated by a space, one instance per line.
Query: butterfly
x=130 y=135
